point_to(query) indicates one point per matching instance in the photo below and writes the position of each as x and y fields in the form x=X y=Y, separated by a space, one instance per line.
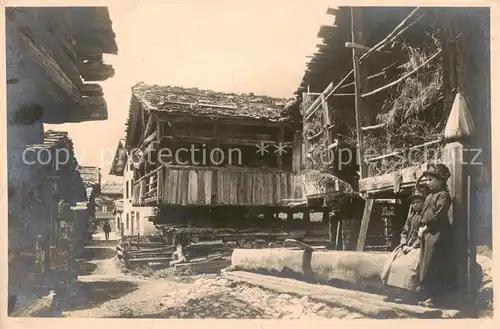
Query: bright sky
x=238 y=46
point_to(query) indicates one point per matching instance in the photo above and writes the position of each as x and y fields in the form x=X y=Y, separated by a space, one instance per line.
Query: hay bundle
x=320 y=181
x=414 y=113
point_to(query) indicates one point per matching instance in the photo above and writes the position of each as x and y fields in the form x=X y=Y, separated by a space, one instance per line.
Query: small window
x=128 y=222
x=126 y=190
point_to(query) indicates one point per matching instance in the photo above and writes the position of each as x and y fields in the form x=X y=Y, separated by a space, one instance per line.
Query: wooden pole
x=363 y=230
x=395 y=82
x=330 y=217
x=456 y=158
x=359 y=81
x=338 y=234
x=459 y=131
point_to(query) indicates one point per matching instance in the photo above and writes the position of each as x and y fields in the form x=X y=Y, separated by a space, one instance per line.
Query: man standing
x=107 y=228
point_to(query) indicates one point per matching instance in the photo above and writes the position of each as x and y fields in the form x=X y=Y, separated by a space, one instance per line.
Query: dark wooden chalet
x=166 y=123
x=56 y=186
x=361 y=68
x=91 y=178
x=61 y=51
x=52 y=54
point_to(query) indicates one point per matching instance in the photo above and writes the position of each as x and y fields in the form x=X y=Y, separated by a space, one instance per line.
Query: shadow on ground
x=218 y=306
x=92 y=294
x=98 y=253
x=86 y=268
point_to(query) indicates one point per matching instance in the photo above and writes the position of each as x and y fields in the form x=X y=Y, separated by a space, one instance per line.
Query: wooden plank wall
x=196 y=186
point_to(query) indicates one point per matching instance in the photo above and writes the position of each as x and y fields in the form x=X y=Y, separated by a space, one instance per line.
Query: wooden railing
x=188 y=185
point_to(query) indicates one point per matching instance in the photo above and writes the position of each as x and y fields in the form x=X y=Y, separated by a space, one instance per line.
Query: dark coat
x=106 y=228
x=436 y=263
x=409 y=234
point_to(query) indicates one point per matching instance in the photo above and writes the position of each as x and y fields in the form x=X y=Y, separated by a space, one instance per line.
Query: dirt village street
x=104 y=290
x=400 y=229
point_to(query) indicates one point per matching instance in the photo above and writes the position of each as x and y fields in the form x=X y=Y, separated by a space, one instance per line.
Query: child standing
x=436 y=268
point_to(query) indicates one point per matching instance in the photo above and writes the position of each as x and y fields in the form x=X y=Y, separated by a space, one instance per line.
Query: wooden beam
x=389 y=38
x=385 y=156
x=363 y=230
x=330 y=89
x=47 y=28
x=281 y=139
x=149 y=126
x=363 y=49
x=338 y=236
x=96 y=71
x=401 y=79
x=240 y=121
x=457 y=159
x=375 y=127
x=359 y=79
x=332 y=11
x=48 y=67
x=150 y=138
x=408 y=178
x=219 y=140
x=92 y=89
x=382 y=73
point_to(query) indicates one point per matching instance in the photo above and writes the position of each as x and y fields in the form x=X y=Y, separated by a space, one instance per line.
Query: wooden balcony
x=188 y=185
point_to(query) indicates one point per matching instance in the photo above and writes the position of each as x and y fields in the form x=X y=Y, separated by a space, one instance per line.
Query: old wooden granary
x=194 y=150
x=401 y=87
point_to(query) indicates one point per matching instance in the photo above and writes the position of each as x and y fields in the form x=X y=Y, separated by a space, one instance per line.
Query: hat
x=438 y=170
x=417 y=193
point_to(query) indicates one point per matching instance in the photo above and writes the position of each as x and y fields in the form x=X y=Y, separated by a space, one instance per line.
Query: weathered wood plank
x=220 y=187
x=362 y=113
x=364 y=224
x=150 y=138
x=184 y=187
x=49 y=68
x=208 y=186
x=406 y=177
x=201 y=187
x=192 y=187
x=166 y=188
x=234 y=188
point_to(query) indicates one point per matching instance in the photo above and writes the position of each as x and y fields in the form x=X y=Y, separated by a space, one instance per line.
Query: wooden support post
x=331 y=227
x=289 y=215
x=363 y=230
x=338 y=236
x=458 y=130
x=281 y=139
x=362 y=118
x=306 y=215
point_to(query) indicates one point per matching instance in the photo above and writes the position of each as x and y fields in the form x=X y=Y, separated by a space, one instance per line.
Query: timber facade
x=52 y=54
x=357 y=91
x=226 y=130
